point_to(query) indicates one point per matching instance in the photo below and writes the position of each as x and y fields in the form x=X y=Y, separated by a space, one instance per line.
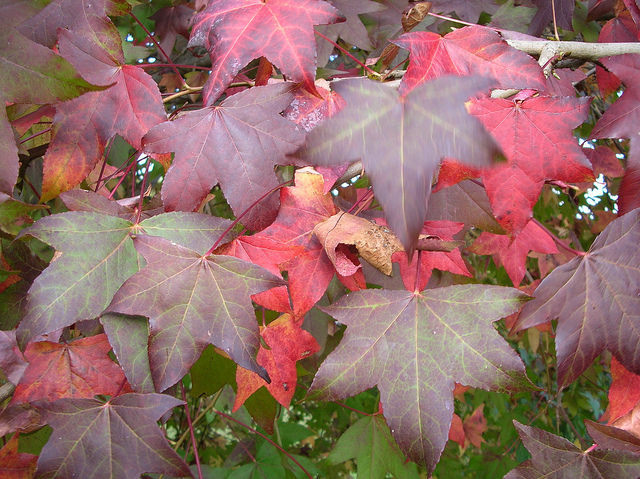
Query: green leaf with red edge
x=192 y=301
x=414 y=347
x=287 y=344
x=451 y=261
x=129 y=337
x=621 y=120
x=79 y=369
x=595 y=299
x=624 y=392
x=369 y=442
x=100 y=440
x=29 y=73
x=237 y=144
x=401 y=140
x=238 y=31
x=554 y=456
x=97 y=256
x=535 y=134
x=302 y=207
x=129 y=107
x=511 y=252
x=14 y=464
x=468 y=51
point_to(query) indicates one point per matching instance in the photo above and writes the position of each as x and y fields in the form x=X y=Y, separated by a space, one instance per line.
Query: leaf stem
x=124 y=175
x=142 y=186
x=237 y=220
x=347 y=53
x=38 y=133
x=191 y=433
x=352 y=409
x=272 y=442
x=170 y=63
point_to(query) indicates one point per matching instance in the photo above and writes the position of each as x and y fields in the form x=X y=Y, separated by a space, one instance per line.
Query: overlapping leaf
x=467 y=51
x=414 y=347
x=82 y=127
x=621 y=120
x=80 y=369
x=103 y=441
x=554 y=456
x=536 y=137
x=237 y=31
x=558 y=11
x=192 y=301
x=287 y=344
x=595 y=299
x=369 y=442
x=624 y=392
x=401 y=141
x=512 y=252
x=236 y=144
x=468 y=10
x=14 y=464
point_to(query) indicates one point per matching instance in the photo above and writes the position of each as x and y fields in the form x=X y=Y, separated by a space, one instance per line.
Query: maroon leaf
x=451 y=340
x=401 y=141
x=467 y=51
x=192 y=301
x=82 y=127
x=562 y=10
x=468 y=10
x=80 y=369
x=554 y=456
x=237 y=31
x=12 y=362
x=595 y=299
x=16 y=465
x=236 y=144
x=102 y=441
x=171 y=21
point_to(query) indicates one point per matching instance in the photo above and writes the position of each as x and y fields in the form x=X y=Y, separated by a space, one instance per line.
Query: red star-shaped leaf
x=192 y=301
x=237 y=31
x=511 y=252
x=536 y=137
x=288 y=343
x=624 y=392
x=595 y=299
x=80 y=369
x=236 y=144
x=467 y=51
x=82 y=127
x=103 y=441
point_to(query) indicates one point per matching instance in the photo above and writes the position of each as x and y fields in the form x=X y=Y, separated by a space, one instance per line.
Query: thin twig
x=346 y=52
x=191 y=432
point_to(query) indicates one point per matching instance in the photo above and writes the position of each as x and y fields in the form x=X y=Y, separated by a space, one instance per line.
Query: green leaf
x=211 y=372
x=369 y=442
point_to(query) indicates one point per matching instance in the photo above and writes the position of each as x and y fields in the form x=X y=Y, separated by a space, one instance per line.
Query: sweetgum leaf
x=563 y=15
x=555 y=457
x=624 y=392
x=129 y=107
x=237 y=144
x=97 y=257
x=369 y=442
x=129 y=337
x=237 y=31
x=401 y=140
x=80 y=369
x=468 y=10
x=192 y=301
x=467 y=51
x=119 y=439
x=16 y=465
x=595 y=299
x=414 y=347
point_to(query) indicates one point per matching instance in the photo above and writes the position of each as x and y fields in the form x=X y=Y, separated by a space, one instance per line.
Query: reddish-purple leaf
x=12 y=362
x=555 y=457
x=414 y=347
x=82 y=127
x=595 y=299
x=80 y=369
x=192 y=301
x=237 y=31
x=16 y=465
x=120 y=438
x=237 y=144
x=468 y=10
x=171 y=21
x=467 y=51
x=619 y=29
x=558 y=11
x=401 y=140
